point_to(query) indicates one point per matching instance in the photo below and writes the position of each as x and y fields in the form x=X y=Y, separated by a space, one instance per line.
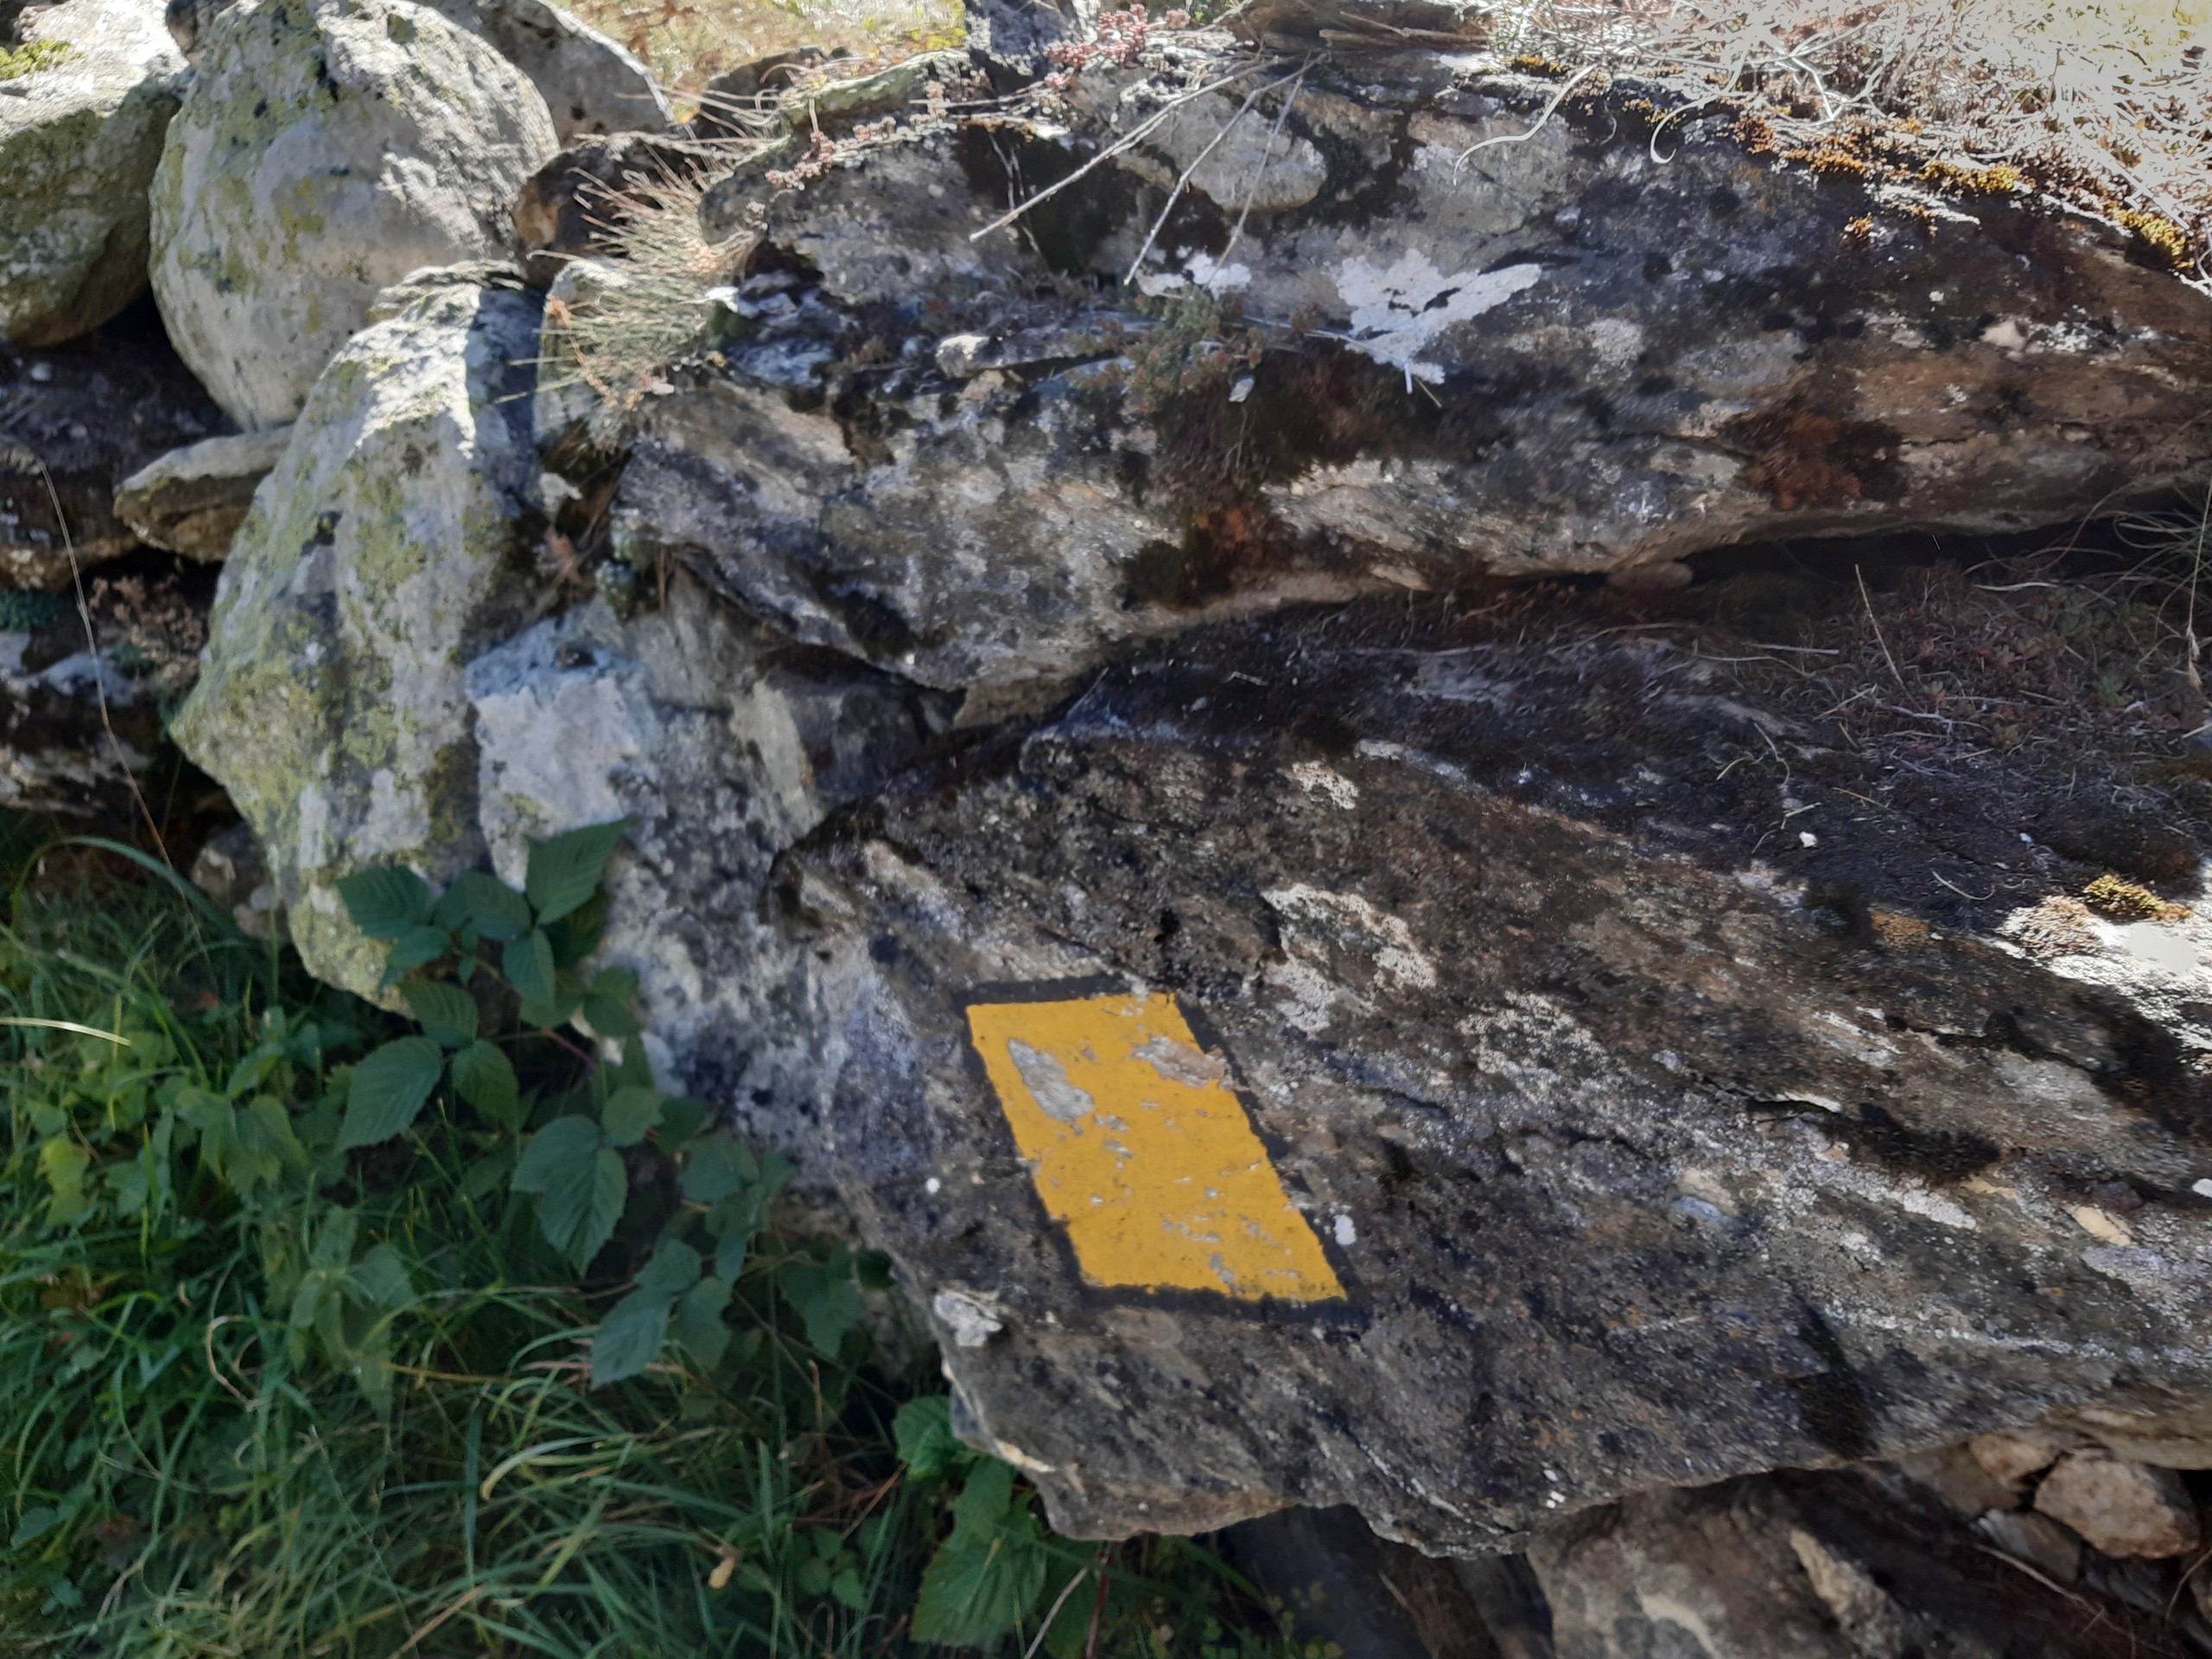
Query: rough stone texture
x=723 y=743
x=2120 y=1508
x=1654 y=1148
x=1565 y=357
x=56 y=754
x=61 y=752
x=377 y=559
x=2181 y=1438
x=325 y=150
x=1792 y=1565
x=230 y=869
x=2016 y=1460
x=192 y=500
x=79 y=143
x=590 y=83
x=2037 y=1540
x=84 y=416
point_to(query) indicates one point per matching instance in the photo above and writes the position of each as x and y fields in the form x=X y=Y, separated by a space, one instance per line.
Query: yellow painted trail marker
x=1143 y=1152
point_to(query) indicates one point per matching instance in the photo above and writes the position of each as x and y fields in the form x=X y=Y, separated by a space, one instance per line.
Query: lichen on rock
x=89 y=96
x=325 y=148
x=382 y=554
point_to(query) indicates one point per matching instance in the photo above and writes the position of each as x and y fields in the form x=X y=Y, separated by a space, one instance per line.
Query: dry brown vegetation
x=687 y=40
x=2106 y=105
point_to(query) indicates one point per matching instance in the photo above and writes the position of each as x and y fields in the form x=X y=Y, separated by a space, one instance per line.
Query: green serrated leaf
x=716 y=1165
x=630 y=1337
x=559 y=1155
x=417 y=947
x=480 y=899
x=673 y=1269
x=582 y=1183
x=628 y=1114
x=699 y=1323
x=608 y=1018
x=384 y=903
x=827 y=1301
x=621 y=984
x=680 y=1118
x=729 y=1256
x=448 y=1012
x=485 y=1078
x=528 y=963
x=991 y=1574
x=389 y=1090
x=565 y=871
x=927 y=1445
x=578 y=934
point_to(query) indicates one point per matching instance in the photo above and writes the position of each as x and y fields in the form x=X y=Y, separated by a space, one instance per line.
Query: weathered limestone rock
x=74 y=422
x=1564 y=356
x=590 y=83
x=2120 y=1508
x=1621 y=1142
x=80 y=134
x=723 y=744
x=192 y=500
x=2016 y=1460
x=324 y=151
x=379 y=688
x=377 y=559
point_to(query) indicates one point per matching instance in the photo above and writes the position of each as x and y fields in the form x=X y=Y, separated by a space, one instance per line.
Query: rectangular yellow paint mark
x=1143 y=1152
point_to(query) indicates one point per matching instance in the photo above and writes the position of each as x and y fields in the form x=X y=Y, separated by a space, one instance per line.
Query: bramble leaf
x=629 y=1337
x=389 y=1090
x=480 y=899
x=628 y=1114
x=564 y=872
x=448 y=1012
x=927 y=1445
x=384 y=903
x=528 y=963
x=582 y=1183
x=699 y=1323
x=673 y=1269
x=485 y=1078
x=716 y=1165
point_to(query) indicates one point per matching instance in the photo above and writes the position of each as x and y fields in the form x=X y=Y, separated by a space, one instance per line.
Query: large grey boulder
x=1389 y=1057
x=1566 y=356
x=80 y=134
x=590 y=83
x=383 y=684
x=325 y=150
x=377 y=558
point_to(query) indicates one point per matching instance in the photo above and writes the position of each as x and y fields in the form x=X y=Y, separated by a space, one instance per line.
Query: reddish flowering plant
x=1121 y=36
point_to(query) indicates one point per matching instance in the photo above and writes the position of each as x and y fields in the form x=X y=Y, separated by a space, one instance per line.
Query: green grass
x=267 y=1395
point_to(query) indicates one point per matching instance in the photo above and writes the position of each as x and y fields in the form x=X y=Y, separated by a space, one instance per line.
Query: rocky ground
x=1437 y=812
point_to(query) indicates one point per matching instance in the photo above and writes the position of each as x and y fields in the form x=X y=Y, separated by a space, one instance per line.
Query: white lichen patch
x=1314 y=918
x=1398 y=311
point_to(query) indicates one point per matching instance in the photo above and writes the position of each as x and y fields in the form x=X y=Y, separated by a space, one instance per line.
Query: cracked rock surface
x=1647 y=1148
